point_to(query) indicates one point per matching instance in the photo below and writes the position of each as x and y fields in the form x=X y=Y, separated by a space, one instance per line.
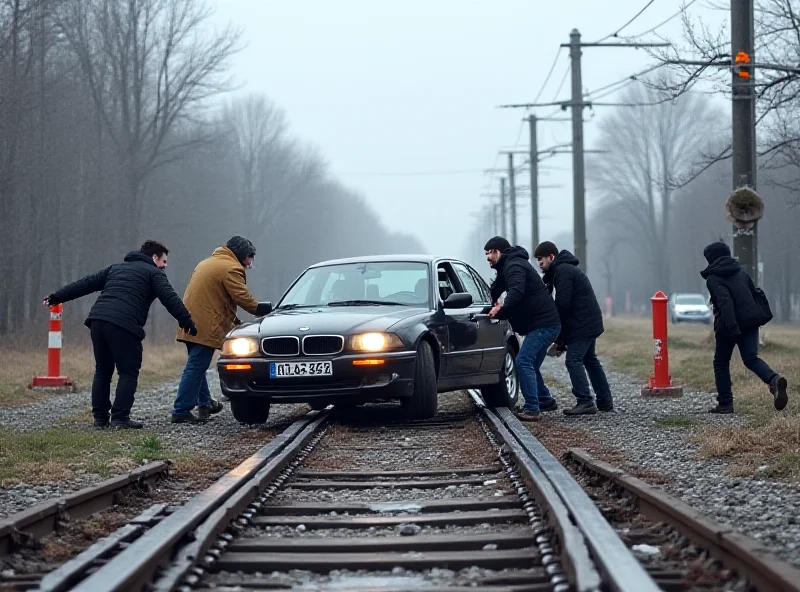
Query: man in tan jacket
x=217 y=287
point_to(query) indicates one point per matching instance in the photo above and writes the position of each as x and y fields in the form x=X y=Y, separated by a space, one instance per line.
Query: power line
x=415 y=173
x=561 y=85
x=661 y=24
x=637 y=15
x=549 y=74
x=624 y=81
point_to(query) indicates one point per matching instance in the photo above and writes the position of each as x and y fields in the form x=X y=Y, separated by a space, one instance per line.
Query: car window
x=484 y=288
x=446 y=281
x=397 y=282
x=469 y=283
x=694 y=299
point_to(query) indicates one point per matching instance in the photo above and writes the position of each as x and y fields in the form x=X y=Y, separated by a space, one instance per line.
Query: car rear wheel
x=423 y=403
x=506 y=392
x=248 y=410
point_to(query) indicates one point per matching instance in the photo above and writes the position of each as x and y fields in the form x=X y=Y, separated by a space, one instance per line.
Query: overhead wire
x=636 y=16
x=659 y=25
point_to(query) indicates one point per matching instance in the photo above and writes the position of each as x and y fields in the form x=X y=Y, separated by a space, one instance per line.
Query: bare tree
x=150 y=67
x=647 y=149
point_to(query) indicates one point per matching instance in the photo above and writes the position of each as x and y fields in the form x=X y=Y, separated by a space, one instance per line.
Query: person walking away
x=581 y=325
x=217 y=286
x=740 y=309
x=531 y=313
x=116 y=322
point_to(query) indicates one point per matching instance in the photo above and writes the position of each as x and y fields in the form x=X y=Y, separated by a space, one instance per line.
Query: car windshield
x=693 y=299
x=392 y=283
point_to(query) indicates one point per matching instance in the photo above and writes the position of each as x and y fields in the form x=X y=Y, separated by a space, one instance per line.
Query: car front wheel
x=248 y=410
x=506 y=392
x=422 y=404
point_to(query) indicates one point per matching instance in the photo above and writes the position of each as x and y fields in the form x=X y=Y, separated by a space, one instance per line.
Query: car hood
x=323 y=320
x=692 y=308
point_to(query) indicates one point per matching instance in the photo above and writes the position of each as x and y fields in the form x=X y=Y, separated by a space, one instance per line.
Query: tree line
x=115 y=127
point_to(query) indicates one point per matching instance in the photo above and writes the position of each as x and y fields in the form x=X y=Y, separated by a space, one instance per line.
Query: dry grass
x=24 y=358
x=62 y=453
x=770 y=444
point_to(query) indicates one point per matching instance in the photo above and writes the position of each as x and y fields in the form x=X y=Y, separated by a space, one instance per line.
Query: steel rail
x=135 y=567
x=23 y=528
x=745 y=555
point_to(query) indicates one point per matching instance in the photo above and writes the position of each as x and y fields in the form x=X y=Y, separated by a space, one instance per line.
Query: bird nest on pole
x=744 y=207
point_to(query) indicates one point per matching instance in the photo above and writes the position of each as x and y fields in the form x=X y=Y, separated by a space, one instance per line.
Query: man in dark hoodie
x=581 y=325
x=738 y=314
x=531 y=313
x=116 y=322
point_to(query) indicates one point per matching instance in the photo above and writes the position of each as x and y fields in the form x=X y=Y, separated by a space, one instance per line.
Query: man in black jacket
x=531 y=313
x=116 y=322
x=738 y=315
x=581 y=325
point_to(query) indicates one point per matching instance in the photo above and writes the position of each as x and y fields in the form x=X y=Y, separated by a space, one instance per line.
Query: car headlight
x=240 y=347
x=375 y=342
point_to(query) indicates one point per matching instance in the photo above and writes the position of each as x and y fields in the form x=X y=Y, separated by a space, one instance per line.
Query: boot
x=722 y=409
x=552 y=406
x=191 y=418
x=206 y=412
x=582 y=409
x=126 y=424
x=528 y=415
x=778 y=390
x=101 y=423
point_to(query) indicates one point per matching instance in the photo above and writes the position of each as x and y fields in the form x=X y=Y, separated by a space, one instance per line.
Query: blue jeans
x=582 y=358
x=193 y=388
x=529 y=361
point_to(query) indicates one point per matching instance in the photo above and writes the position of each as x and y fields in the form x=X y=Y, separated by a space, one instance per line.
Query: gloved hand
x=190 y=328
x=49 y=301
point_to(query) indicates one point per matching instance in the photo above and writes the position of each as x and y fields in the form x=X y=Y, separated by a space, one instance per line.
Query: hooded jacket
x=217 y=287
x=527 y=305
x=127 y=290
x=578 y=309
x=733 y=294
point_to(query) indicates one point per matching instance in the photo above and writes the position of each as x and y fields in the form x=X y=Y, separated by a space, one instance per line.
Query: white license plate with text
x=300 y=369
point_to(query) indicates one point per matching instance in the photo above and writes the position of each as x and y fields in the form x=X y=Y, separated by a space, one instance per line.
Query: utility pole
x=512 y=196
x=534 y=158
x=503 y=206
x=578 y=179
x=745 y=240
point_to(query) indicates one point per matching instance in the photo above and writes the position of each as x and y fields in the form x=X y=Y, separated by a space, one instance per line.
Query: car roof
x=413 y=258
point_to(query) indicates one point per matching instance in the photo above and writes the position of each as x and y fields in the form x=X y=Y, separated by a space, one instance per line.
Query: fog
x=327 y=129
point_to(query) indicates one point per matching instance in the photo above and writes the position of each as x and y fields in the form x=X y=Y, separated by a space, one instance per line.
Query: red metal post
x=661 y=377
x=53 y=378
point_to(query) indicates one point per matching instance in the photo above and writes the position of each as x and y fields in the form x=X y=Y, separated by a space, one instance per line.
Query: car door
x=490 y=331
x=463 y=354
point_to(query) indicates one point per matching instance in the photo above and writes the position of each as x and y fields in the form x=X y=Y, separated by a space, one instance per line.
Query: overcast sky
x=401 y=96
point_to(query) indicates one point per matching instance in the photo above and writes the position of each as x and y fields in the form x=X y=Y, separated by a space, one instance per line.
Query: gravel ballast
x=762 y=509
x=223 y=438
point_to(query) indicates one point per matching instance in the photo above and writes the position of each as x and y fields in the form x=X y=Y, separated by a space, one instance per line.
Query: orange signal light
x=742 y=57
x=369 y=362
x=237 y=366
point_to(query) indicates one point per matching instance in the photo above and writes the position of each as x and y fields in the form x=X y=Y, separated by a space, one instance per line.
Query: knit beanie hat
x=545 y=249
x=497 y=242
x=716 y=251
x=241 y=247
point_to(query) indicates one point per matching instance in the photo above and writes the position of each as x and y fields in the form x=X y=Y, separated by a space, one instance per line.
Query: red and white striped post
x=53 y=378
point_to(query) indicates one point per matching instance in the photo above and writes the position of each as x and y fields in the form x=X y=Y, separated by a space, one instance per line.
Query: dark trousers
x=747 y=342
x=582 y=359
x=114 y=347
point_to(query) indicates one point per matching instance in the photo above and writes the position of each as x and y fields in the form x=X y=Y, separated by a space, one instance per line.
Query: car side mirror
x=458 y=300
x=264 y=308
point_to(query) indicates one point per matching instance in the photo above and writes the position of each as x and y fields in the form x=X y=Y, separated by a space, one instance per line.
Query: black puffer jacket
x=581 y=317
x=733 y=297
x=126 y=292
x=527 y=305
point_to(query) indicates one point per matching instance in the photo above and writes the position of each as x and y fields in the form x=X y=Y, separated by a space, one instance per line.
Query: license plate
x=300 y=369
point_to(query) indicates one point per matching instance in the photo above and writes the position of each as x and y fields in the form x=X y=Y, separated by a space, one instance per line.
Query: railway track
x=362 y=500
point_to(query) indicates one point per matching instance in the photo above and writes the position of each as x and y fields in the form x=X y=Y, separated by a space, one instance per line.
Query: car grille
x=281 y=346
x=321 y=345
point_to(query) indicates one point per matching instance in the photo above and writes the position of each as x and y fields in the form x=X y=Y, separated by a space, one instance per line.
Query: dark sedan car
x=370 y=329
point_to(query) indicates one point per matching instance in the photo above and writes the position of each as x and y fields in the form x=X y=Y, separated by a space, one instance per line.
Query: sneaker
x=551 y=406
x=722 y=409
x=126 y=424
x=191 y=418
x=528 y=415
x=778 y=390
x=582 y=409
